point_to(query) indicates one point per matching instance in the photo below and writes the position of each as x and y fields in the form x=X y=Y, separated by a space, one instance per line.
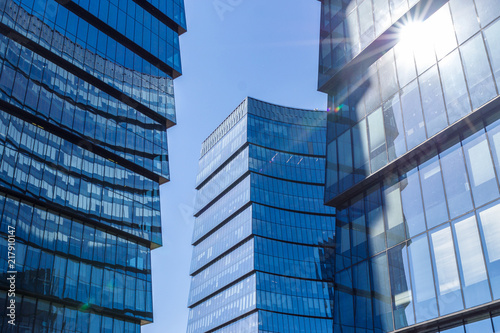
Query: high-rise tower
x=263 y=240
x=86 y=96
x=413 y=167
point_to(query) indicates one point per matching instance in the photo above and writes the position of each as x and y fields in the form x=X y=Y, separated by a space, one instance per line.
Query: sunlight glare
x=414 y=35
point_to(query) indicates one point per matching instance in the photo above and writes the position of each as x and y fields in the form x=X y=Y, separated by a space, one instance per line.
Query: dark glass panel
x=402 y=304
x=382 y=305
x=375 y=220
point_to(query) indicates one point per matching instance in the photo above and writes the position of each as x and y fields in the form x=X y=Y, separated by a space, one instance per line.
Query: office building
x=413 y=163
x=263 y=240
x=86 y=96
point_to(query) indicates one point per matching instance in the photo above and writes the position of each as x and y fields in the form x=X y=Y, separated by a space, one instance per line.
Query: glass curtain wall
x=86 y=97
x=412 y=164
x=263 y=240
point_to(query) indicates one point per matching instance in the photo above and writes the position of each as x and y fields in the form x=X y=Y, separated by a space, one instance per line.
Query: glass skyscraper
x=413 y=163
x=263 y=240
x=86 y=96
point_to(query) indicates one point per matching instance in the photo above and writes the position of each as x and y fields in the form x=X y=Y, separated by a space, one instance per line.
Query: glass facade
x=412 y=163
x=86 y=97
x=263 y=255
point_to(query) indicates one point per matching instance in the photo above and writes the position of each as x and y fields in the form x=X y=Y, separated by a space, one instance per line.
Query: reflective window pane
x=405 y=64
x=366 y=23
x=363 y=310
x=393 y=212
x=412 y=115
x=378 y=154
x=382 y=318
x=411 y=197
x=446 y=271
x=424 y=296
x=487 y=10
x=433 y=193
x=432 y=101
x=382 y=15
x=358 y=229
x=361 y=150
x=375 y=220
x=471 y=262
x=456 y=184
x=345 y=161
x=459 y=329
x=455 y=91
x=492 y=41
x=490 y=234
x=387 y=75
x=483 y=326
x=464 y=18
x=372 y=93
x=480 y=168
x=477 y=71
x=401 y=287
x=331 y=168
x=394 y=130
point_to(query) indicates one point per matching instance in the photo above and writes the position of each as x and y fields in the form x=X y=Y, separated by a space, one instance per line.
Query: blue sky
x=266 y=49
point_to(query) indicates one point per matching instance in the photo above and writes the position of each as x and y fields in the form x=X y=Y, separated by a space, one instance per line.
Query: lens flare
x=338 y=108
x=84 y=307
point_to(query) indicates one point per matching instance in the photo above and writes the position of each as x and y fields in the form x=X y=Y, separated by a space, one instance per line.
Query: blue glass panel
x=490 y=233
x=480 y=167
x=361 y=150
x=459 y=329
x=395 y=228
x=344 y=299
x=402 y=304
x=342 y=252
x=332 y=173
x=378 y=153
x=423 y=291
x=375 y=221
x=496 y=323
x=359 y=231
x=471 y=262
x=455 y=179
x=382 y=318
x=479 y=326
x=433 y=192
x=445 y=271
x=363 y=305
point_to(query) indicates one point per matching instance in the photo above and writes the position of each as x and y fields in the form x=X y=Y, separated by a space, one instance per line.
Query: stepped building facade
x=413 y=168
x=86 y=96
x=263 y=240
